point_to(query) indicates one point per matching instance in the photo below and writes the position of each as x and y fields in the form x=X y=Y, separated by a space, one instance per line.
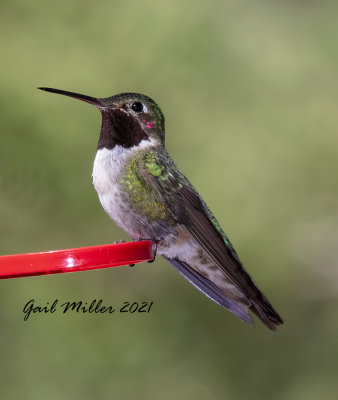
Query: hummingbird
x=146 y=194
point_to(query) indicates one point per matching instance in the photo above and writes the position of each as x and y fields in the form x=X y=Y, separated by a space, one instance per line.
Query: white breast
x=108 y=169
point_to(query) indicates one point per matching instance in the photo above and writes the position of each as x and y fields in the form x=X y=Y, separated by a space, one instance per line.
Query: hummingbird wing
x=185 y=205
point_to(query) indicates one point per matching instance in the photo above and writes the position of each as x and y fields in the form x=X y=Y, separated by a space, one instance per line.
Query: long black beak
x=92 y=100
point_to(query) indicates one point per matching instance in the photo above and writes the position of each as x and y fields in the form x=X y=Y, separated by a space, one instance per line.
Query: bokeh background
x=250 y=93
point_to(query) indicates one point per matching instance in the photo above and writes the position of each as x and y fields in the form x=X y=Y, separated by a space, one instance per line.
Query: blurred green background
x=250 y=92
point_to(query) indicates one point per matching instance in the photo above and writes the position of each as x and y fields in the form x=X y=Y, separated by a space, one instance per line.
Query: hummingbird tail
x=266 y=313
x=260 y=305
x=210 y=290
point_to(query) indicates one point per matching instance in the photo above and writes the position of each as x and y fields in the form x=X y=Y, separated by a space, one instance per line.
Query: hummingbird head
x=127 y=118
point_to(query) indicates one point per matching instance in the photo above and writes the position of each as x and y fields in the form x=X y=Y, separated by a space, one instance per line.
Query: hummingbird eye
x=137 y=107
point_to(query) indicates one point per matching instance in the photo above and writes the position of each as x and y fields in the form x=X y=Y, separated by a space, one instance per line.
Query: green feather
x=144 y=198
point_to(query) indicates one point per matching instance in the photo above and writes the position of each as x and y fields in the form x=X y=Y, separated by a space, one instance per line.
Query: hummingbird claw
x=154 y=242
x=121 y=241
x=154 y=252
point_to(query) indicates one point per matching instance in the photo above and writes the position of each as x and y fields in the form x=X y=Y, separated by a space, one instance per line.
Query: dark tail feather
x=211 y=290
x=260 y=306
x=266 y=313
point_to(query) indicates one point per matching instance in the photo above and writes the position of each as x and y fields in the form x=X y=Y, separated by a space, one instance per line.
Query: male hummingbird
x=145 y=193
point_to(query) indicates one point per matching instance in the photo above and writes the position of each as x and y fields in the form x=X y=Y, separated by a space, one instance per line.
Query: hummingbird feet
x=155 y=243
x=140 y=240
x=123 y=241
x=154 y=251
x=130 y=265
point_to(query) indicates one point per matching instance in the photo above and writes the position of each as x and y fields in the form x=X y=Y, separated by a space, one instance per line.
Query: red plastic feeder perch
x=78 y=259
